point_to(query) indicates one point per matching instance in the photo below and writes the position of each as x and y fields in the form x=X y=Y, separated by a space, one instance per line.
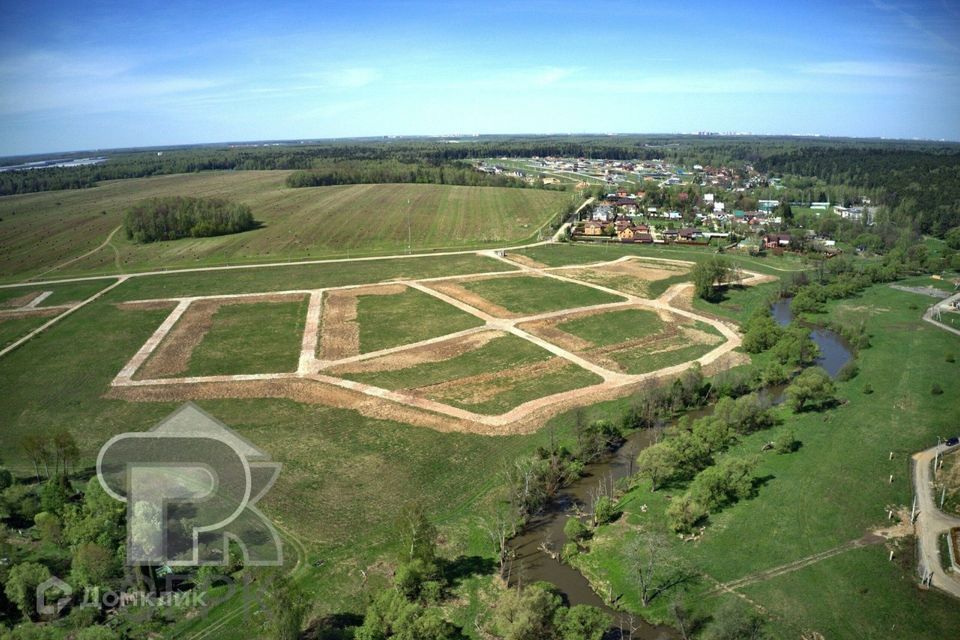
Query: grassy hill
x=42 y=230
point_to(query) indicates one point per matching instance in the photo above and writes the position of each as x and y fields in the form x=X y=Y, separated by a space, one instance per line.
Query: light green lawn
x=411 y=316
x=529 y=295
x=262 y=337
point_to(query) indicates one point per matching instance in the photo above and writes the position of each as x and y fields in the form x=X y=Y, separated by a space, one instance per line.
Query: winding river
x=532 y=564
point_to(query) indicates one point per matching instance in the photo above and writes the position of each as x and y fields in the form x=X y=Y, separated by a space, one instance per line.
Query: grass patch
x=12 y=327
x=40 y=230
x=306 y=276
x=65 y=293
x=564 y=254
x=949 y=476
x=637 y=361
x=503 y=352
x=529 y=295
x=411 y=316
x=614 y=326
x=261 y=337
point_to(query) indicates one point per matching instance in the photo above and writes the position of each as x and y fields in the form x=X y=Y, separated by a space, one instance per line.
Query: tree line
x=394 y=171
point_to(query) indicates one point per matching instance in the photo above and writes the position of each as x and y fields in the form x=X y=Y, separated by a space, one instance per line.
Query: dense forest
x=180 y=217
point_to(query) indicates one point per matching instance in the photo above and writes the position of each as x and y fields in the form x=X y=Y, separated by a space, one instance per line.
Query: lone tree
x=709 y=275
x=811 y=390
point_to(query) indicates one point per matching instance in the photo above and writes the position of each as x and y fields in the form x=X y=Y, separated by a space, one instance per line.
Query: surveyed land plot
x=484 y=351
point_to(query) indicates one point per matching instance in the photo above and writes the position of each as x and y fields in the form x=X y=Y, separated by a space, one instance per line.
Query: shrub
x=684 y=513
x=575 y=530
x=786 y=442
x=848 y=371
x=605 y=510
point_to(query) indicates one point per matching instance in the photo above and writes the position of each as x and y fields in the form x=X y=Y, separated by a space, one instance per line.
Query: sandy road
x=931 y=522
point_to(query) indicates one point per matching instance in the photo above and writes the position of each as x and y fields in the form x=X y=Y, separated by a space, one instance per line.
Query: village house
x=592 y=228
x=635 y=234
x=775 y=240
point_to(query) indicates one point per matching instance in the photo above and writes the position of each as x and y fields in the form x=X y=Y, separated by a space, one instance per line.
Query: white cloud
x=347 y=77
x=870 y=69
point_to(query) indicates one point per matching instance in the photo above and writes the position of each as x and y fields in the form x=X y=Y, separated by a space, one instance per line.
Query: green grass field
x=301 y=276
x=614 y=326
x=529 y=295
x=262 y=337
x=12 y=328
x=65 y=293
x=41 y=230
x=833 y=490
x=403 y=318
x=559 y=255
x=499 y=355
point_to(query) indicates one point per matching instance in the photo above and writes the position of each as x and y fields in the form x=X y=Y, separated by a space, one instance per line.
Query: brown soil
x=435 y=352
x=339 y=331
x=455 y=290
x=643 y=270
x=39 y=312
x=309 y=392
x=19 y=301
x=526 y=261
x=547 y=329
x=146 y=305
x=172 y=355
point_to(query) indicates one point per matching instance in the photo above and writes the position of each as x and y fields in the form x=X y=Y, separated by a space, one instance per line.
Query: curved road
x=931 y=522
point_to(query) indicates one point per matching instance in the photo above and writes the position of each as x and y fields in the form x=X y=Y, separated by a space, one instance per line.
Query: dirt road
x=931 y=522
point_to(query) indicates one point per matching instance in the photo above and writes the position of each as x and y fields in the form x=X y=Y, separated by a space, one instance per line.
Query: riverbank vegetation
x=771 y=511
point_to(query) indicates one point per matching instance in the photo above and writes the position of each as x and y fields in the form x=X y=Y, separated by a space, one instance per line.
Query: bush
x=605 y=510
x=684 y=513
x=786 y=442
x=848 y=371
x=575 y=530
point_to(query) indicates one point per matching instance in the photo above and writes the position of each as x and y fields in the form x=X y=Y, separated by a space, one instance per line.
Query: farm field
x=805 y=513
x=42 y=230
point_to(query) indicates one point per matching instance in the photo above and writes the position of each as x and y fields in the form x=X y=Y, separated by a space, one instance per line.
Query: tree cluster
x=177 y=217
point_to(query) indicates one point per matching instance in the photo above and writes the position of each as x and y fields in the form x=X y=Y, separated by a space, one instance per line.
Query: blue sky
x=86 y=75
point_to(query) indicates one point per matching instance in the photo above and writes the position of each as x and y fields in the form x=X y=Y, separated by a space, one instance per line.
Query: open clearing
x=40 y=230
